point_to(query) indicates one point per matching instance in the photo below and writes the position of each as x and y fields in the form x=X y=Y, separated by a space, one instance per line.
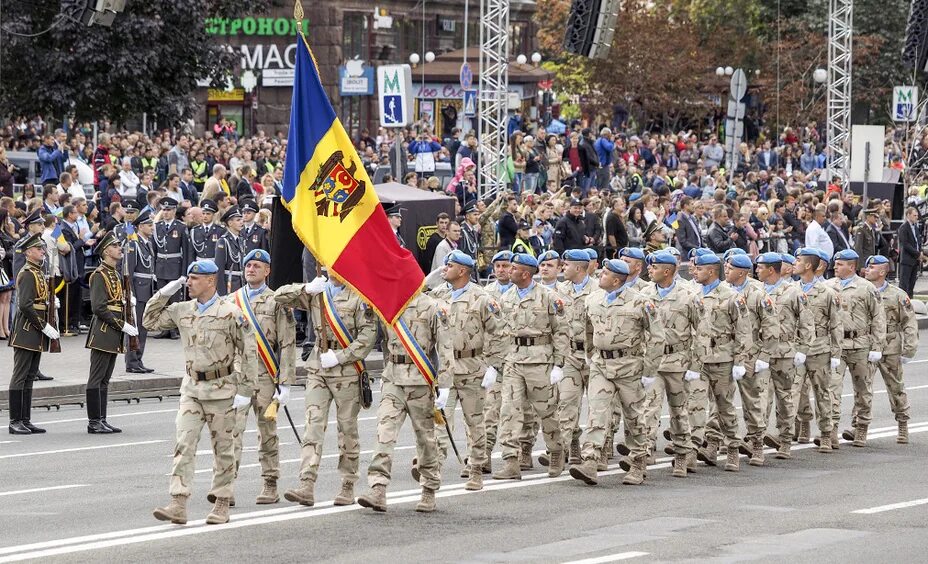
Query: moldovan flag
x=335 y=211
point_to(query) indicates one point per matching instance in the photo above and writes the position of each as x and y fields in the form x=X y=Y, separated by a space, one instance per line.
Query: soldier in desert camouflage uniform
x=331 y=377
x=219 y=380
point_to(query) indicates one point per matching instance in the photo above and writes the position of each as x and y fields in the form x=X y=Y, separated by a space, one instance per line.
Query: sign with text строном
x=394 y=91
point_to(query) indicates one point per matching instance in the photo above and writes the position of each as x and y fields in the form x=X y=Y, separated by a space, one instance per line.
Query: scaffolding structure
x=492 y=95
x=840 y=31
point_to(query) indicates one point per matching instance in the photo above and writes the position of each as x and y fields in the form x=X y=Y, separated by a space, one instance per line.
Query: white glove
x=239 y=402
x=442 y=398
x=172 y=287
x=50 y=332
x=130 y=330
x=834 y=363
x=738 y=372
x=328 y=359
x=906 y=359
x=57 y=302
x=315 y=287
x=874 y=356
x=799 y=359
x=434 y=279
x=557 y=374
x=133 y=301
x=760 y=365
x=489 y=378
x=647 y=381
x=691 y=375
x=282 y=395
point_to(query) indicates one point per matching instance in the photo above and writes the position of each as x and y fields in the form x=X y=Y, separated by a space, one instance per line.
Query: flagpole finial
x=298 y=13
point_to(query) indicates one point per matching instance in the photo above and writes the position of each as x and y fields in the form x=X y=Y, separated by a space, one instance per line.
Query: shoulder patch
x=803 y=300
x=493 y=306
x=649 y=308
x=742 y=304
x=906 y=302
x=557 y=306
x=441 y=313
x=767 y=303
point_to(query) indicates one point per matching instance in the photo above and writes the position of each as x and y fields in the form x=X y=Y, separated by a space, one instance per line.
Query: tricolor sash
x=265 y=351
x=341 y=333
x=415 y=352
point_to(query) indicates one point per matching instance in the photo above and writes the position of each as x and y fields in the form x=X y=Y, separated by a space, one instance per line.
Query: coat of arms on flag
x=337 y=190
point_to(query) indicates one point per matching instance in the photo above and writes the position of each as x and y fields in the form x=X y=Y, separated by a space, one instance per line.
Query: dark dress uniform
x=203 y=238
x=171 y=249
x=140 y=263
x=27 y=339
x=229 y=257
x=105 y=338
x=253 y=236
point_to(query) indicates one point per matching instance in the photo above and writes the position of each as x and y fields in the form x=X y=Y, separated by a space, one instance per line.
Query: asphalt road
x=80 y=498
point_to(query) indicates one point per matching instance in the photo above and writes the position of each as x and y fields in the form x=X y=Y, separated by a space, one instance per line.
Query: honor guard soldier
x=626 y=349
x=274 y=350
x=537 y=334
x=495 y=353
x=473 y=319
x=140 y=263
x=864 y=321
x=901 y=341
x=218 y=381
x=408 y=390
x=677 y=314
x=229 y=253
x=31 y=333
x=130 y=210
x=203 y=237
x=35 y=224
x=253 y=235
x=334 y=374
x=170 y=243
x=108 y=328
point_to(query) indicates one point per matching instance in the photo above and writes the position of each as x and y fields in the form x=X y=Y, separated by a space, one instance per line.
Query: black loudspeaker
x=915 y=50
x=590 y=27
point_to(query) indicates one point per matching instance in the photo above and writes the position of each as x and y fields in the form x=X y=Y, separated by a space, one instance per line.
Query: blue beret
x=460 y=257
x=525 y=260
x=740 y=261
x=847 y=254
x=548 y=255
x=202 y=266
x=662 y=257
x=824 y=256
x=699 y=252
x=258 y=254
x=673 y=250
x=877 y=259
x=733 y=251
x=632 y=252
x=502 y=255
x=591 y=254
x=788 y=258
x=576 y=255
x=813 y=252
x=617 y=266
x=769 y=258
x=634 y=197
x=703 y=260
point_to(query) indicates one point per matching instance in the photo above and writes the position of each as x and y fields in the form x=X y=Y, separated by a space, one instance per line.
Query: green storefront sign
x=254 y=26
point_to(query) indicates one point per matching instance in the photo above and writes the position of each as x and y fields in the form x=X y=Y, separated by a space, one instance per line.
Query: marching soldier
x=864 y=321
x=141 y=267
x=901 y=341
x=634 y=257
x=229 y=253
x=105 y=339
x=534 y=364
x=627 y=344
x=31 y=333
x=218 y=382
x=495 y=352
x=275 y=347
x=549 y=265
x=594 y=264
x=676 y=312
x=723 y=339
x=253 y=235
x=408 y=390
x=170 y=243
x=203 y=237
x=333 y=375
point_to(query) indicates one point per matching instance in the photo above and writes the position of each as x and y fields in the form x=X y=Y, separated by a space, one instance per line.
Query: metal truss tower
x=840 y=28
x=494 y=85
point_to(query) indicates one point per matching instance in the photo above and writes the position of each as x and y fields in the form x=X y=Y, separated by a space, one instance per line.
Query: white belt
x=144 y=275
x=233 y=272
x=170 y=255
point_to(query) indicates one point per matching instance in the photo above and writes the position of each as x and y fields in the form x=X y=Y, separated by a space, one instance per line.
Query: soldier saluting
x=229 y=253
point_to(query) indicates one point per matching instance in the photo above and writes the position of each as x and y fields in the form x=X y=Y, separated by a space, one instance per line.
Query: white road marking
x=108 y=416
x=891 y=506
x=609 y=558
x=48 y=489
x=8 y=442
x=291 y=460
x=79 y=449
x=160 y=532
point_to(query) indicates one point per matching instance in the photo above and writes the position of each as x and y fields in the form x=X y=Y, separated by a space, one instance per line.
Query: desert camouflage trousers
x=529 y=383
x=677 y=390
x=219 y=418
x=466 y=390
x=321 y=392
x=268 y=442
x=396 y=403
x=612 y=384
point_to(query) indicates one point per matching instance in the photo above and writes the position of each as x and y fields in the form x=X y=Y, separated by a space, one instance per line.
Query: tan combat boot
x=709 y=454
x=346 y=495
x=304 y=494
x=509 y=471
x=585 y=472
x=375 y=499
x=783 y=452
x=575 y=452
x=835 y=438
x=414 y=471
x=824 y=442
x=427 y=502
x=805 y=430
x=679 y=466
x=691 y=462
x=903 y=437
x=212 y=499
x=556 y=468
x=476 y=479
x=488 y=465
x=860 y=436
x=269 y=494
x=525 y=458
x=757 y=453
x=733 y=463
x=220 y=512
x=635 y=476
x=622 y=449
x=175 y=512
x=544 y=458
x=603 y=463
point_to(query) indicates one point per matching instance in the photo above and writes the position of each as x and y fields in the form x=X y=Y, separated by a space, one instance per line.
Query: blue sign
x=392 y=110
x=466 y=76
x=470 y=103
x=355 y=79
